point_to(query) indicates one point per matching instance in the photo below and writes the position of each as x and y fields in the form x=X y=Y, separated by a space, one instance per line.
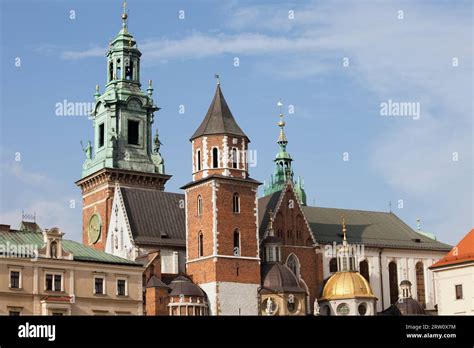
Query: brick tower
x=122 y=150
x=221 y=215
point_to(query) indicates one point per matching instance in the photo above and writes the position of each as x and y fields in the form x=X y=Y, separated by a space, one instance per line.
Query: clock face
x=94 y=229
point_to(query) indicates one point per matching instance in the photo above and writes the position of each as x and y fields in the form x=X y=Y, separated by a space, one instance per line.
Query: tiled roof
x=219 y=119
x=156 y=217
x=80 y=252
x=265 y=204
x=370 y=228
x=461 y=253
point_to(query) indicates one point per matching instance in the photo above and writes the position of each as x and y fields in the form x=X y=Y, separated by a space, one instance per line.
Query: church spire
x=283 y=169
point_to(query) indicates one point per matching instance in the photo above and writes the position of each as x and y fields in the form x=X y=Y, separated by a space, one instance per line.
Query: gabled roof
x=461 y=253
x=266 y=203
x=370 y=228
x=156 y=217
x=219 y=119
x=80 y=252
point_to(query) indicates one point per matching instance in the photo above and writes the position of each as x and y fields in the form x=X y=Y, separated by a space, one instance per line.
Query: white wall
x=231 y=298
x=445 y=281
x=406 y=261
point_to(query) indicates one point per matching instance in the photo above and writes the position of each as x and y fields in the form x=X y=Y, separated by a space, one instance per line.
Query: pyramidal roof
x=219 y=119
x=461 y=253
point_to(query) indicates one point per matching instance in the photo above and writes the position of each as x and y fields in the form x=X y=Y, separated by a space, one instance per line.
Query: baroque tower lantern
x=123 y=150
x=221 y=215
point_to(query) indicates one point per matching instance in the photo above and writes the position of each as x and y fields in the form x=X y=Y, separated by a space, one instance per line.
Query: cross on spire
x=217 y=77
x=124 y=14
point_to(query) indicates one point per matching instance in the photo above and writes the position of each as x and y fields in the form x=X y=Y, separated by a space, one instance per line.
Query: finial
x=124 y=14
x=97 y=94
x=418 y=224
x=344 y=229
x=216 y=76
x=150 y=88
x=282 y=138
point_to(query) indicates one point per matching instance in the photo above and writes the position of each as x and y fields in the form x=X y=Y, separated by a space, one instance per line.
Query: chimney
x=4 y=228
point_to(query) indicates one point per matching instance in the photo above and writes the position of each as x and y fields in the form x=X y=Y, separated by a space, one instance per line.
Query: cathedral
x=216 y=247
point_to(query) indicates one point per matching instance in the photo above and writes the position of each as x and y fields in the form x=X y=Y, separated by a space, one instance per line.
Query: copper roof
x=279 y=278
x=184 y=286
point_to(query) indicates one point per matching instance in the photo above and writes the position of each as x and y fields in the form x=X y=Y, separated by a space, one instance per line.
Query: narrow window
x=364 y=269
x=236 y=203
x=14 y=279
x=111 y=71
x=128 y=72
x=118 y=71
x=99 y=286
x=458 y=289
x=101 y=135
x=215 y=158
x=393 y=281
x=200 y=245
x=333 y=265
x=236 y=243
x=199 y=205
x=420 y=283
x=133 y=127
x=198 y=160
x=121 y=287
x=234 y=158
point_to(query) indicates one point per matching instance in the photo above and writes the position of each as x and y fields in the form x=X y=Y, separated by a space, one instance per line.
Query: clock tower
x=124 y=149
x=221 y=215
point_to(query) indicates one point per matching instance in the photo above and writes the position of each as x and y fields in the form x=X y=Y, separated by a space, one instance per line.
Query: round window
x=343 y=309
x=362 y=309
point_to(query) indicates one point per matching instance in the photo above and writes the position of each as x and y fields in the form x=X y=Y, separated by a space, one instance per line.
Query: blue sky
x=300 y=60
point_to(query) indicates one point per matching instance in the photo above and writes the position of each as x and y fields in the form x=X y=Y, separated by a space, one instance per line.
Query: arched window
x=199 y=205
x=333 y=265
x=198 y=160
x=111 y=71
x=118 y=71
x=420 y=283
x=215 y=157
x=236 y=203
x=236 y=250
x=364 y=269
x=200 y=244
x=293 y=263
x=234 y=158
x=393 y=281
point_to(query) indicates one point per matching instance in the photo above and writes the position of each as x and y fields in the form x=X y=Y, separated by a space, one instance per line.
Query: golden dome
x=343 y=285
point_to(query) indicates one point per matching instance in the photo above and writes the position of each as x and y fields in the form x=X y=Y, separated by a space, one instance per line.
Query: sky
x=334 y=63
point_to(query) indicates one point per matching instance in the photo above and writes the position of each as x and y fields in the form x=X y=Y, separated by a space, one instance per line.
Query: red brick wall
x=156 y=301
x=217 y=141
x=224 y=270
x=290 y=218
x=103 y=195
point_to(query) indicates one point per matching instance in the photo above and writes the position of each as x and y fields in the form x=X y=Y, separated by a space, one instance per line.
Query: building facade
x=43 y=274
x=454 y=279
